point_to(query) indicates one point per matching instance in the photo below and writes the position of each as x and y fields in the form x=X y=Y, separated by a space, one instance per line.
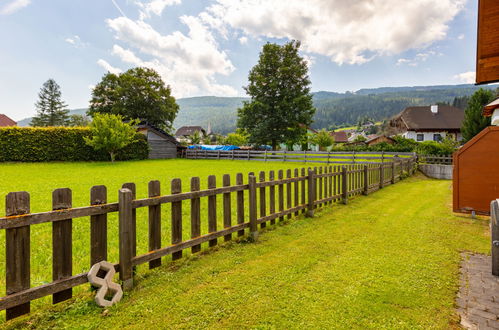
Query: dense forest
x=333 y=109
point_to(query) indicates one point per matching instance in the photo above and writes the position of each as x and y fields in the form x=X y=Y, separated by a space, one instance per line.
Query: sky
x=207 y=47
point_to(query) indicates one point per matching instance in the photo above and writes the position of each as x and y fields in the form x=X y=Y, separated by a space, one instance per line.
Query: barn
x=162 y=145
x=475 y=177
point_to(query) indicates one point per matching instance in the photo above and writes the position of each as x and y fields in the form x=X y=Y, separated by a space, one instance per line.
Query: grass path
x=388 y=260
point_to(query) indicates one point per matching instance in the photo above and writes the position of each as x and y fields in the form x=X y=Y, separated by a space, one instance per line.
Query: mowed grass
x=389 y=260
x=40 y=179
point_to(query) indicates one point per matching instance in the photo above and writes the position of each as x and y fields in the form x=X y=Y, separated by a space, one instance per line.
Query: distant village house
x=6 y=121
x=429 y=123
x=183 y=133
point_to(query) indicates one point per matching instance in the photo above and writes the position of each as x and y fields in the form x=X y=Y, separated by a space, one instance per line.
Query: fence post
x=212 y=210
x=366 y=180
x=381 y=175
x=494 y=230
x=344 y=184
x=252 y=207
x=62 y=233
x=263 y=200
x=393 y=171
x=125 y=237
x=227 y=207
x=240 y=203
x=311 y=192
x=328 y=156
x=17 y=252
x=265 y=158
x=284 y=156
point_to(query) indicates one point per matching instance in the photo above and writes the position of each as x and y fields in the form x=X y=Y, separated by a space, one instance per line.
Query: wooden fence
x=494 y=233
x=432 y=159
x=287 y=194
x=348 y=157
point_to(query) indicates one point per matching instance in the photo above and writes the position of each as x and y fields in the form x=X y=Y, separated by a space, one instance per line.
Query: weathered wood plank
x=154 y=219
x=288 y=192
x=272 y=196
x=344 y=185
x=125 y=237
x=311 y=192
x=98 y=226
x=303 y=189
x=281 y=193
x=62 y=241
x=17 y=253
x=296 y=191
x=195 y=214
x=176 y=218
x=263 y=200
x=252 y=207
x=212 y=209
x=227 y=209
x=240 y=203
x=131 y=186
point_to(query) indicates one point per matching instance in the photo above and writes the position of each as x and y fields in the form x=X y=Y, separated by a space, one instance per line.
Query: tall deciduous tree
x=281 y=106
x=138 y=93
x=51 y=110
x=110 y=133
x=474 y=122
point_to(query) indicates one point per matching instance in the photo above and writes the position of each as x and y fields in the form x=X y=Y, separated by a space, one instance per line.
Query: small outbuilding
x=373 y=140
x=475 y=176
x=162 y=145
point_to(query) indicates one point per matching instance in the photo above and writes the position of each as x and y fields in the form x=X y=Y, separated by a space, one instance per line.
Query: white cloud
x=188 y=63
x=155 y=7
x=345 y=31
x=460 y=37
x=14 y=6
x=419 y=58
x=76 y=42
x=466 y=77
x=310 y=60
x=243 y=40
x=108 y=67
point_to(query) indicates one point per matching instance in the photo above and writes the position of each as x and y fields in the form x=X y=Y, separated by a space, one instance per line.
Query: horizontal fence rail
x=260 y=201
x=332 y=157
x=432 y=159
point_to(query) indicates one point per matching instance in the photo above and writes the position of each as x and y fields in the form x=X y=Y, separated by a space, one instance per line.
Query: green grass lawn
x=388 y=260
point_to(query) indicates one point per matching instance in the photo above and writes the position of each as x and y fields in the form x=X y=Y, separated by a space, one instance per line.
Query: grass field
x=40 y=179
x=389 y=260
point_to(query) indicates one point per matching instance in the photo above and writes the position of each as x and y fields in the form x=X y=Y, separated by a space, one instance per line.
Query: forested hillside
x=333 y=109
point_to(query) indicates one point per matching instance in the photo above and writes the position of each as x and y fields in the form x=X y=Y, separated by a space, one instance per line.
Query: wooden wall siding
x=161 y=149
x=350 y=157
x=487 y=65
x=475 y=176
x=259 y=202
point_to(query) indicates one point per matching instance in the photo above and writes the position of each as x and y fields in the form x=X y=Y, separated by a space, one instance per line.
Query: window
x=420 y=137
x=437 y=137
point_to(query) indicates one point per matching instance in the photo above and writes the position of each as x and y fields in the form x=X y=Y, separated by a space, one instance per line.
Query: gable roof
x=421 y=118
x=158 y=131
x=6 y=121
x=340 y=136
x=489 y=108
x=189 y=130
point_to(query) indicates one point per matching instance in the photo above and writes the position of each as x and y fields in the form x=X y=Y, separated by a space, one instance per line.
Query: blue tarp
x=214 y=147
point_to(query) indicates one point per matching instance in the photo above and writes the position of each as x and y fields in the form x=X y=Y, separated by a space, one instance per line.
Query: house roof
x=6 y=121
x=158 y=131
x=372 y=138
x=340 y=136
x=489 y=108
x=421 y=118
x=189 y=130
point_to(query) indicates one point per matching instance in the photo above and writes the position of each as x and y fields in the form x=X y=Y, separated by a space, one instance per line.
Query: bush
x=26 y=144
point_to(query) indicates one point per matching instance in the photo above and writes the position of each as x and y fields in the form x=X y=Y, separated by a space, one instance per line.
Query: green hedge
x=27 y=144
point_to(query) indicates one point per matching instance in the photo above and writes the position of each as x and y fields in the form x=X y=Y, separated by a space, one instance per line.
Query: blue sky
x=208 y=47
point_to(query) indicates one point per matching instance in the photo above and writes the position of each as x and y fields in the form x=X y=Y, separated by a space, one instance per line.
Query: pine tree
x=474 y=122
x=51 y=110
x=281 y=106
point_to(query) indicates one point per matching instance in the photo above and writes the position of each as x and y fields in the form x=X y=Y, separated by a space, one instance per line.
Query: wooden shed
x=162 y=145
x=476 y=175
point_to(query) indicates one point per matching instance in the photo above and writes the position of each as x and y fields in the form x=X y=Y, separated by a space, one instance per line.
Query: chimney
x=434 y=109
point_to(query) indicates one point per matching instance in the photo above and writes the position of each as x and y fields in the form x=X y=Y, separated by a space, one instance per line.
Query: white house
x=429 y=123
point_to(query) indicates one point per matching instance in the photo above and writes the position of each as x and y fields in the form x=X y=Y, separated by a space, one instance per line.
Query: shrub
x=26 y=144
